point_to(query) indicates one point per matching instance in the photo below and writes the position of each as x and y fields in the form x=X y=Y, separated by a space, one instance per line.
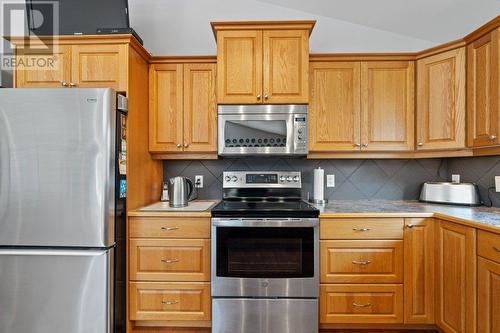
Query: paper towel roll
x=319 y=184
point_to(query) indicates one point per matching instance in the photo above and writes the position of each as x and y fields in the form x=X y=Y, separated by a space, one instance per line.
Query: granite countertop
x=478 y=216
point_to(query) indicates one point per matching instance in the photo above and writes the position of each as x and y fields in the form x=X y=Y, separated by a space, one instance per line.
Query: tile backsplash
x=354 y=179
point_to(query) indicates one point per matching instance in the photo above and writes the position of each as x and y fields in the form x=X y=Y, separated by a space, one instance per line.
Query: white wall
x=182 y=27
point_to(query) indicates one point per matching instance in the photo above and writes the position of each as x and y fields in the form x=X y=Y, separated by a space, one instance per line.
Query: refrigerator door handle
x=51 y=252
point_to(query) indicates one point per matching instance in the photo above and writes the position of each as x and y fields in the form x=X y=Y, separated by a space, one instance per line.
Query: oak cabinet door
x=456 y=278
x=387 y=89
x=239 y=67
x=166 y=108
x=56 y=73
x=441 y=101
x=483 y=101
x=285 y=66
x=419 y=271
x=488 y=310
x=200 y=122
x=96 y=66
x=334 y=110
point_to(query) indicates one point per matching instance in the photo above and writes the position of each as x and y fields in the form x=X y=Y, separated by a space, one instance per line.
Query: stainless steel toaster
x=450 y=193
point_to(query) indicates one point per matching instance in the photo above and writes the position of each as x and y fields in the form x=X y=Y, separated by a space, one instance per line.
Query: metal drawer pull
x=361 y=229
x=169 y=302
x=361 y=305
x=169 y=228
x=362 y=262
x=169 y=261
x=410 y=226
x=496 y=248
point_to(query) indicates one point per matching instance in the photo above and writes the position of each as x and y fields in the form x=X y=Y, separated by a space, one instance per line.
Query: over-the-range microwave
x=262 y=130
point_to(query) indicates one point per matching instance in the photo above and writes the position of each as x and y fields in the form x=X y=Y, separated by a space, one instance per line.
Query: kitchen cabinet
x=182 y=108
x=80 y=66
x=488 y=307
x=364 y=106
x=441 y=101
x=419 y=270
x=455 y=277
x=263 y=62
x=483 y=103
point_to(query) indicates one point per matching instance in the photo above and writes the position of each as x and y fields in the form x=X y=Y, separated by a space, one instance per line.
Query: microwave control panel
x=300 y=132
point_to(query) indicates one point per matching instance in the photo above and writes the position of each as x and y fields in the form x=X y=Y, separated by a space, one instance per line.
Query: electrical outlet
x=198 y=181
x=455 y=178
x=330 y=180
x=497 y=183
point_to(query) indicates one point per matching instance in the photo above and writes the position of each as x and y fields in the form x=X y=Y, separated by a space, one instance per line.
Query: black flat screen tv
x=76 y=17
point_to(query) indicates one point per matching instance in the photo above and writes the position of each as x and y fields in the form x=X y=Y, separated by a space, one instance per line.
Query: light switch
x=497 y=183
x=330 y=180
x=455 y=179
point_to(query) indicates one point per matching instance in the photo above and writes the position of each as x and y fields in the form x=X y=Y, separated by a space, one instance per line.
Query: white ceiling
x=432 y=20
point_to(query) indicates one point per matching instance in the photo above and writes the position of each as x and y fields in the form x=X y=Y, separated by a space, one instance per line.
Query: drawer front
x=166 y=227
x=488 y=245
x=170 y=301
x=170 y=259
x=362 y=304
x=361 y=261
x=361 y=228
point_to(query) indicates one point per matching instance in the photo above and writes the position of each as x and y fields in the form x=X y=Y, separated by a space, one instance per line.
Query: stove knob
x=228 y=178
x=296 y=179
x=282 y=178
x=234 y=178
x=289 y=179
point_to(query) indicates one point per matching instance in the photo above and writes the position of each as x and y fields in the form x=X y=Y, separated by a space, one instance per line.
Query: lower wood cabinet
x=488 y=306
x=361 y=303
x=455 y=278
x=179 y=301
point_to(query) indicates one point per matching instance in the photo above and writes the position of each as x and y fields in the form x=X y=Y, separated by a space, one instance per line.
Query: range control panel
x=261 y=179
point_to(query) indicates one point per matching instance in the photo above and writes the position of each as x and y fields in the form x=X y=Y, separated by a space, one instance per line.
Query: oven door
x=265 y=257
x=262 y=133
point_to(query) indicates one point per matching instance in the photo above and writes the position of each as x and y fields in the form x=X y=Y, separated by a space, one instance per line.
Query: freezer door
x=45 y=291
x=57 y=162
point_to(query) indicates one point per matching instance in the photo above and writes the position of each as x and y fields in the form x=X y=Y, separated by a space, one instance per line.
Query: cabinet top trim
x=264 y=25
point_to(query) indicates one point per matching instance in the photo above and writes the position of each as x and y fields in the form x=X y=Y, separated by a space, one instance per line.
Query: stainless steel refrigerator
x=62 y=210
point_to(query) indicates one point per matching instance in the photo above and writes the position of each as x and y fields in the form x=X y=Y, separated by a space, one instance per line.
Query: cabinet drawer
x=488 y=245
x=170 y=301
x=361 y=261
x=170 y=259
x=166 y=227
x=361 y=228
x=368 y=303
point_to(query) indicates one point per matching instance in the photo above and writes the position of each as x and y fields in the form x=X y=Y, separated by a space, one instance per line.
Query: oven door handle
x=265 y=222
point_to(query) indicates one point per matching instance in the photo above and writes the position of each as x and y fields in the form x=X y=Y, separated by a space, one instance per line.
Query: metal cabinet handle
x=72 y=84
x=357 y=145
x=64 y=83
x=169 y=302
x=169 y=261
x=186 y=145
x=420 y=144
x=266 y=96
x=178 y=145
x=493 y=137
x=361 y=262
x=365 y=145
x=169 y=228
x=361 y=229
x=496 y=248
x=410 y=226
x=258 y=97
x=361 y=305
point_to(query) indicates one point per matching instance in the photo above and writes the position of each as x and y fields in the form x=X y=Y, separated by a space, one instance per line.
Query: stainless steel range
x=265 y=256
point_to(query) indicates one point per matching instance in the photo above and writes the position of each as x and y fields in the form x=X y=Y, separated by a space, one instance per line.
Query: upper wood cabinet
x=441 y=101
x=80 y=66
x=262 y=62
x=182 y=108
x=456 y=278
x=361 y=106
x=483 y=103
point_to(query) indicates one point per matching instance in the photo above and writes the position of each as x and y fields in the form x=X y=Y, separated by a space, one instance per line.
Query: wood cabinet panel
x=441 y=101
x=169 y=227
x=361 y=261
x=285 y=66
x=239 y=67
x=200 y=108
x=166 y=108
x=456 y=278
x=362 y=303
x=95 y=66
x=488 y=296
x=419 y=271
x=334 y=110
x=54 y=75
x=170 y=301
x=483 y=103
x=169 y=259
x=361 y=228
x=488 y=245
x=387 y=103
